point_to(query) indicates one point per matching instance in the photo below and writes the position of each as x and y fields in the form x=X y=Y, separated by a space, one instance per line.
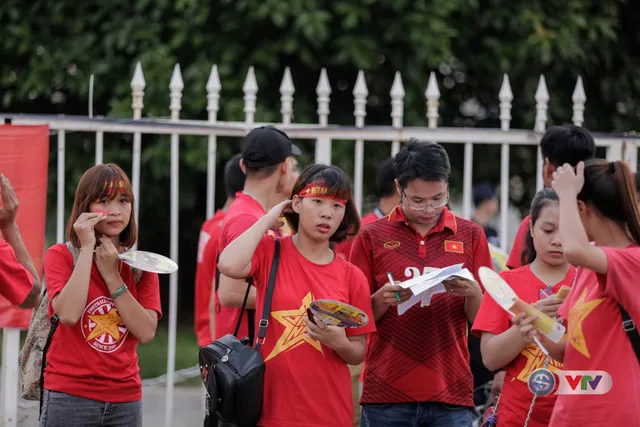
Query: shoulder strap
x=242 y=309
x=75 y=253
x=137 y=275
x=632 y=332
x=266 y=311
x=250 y=313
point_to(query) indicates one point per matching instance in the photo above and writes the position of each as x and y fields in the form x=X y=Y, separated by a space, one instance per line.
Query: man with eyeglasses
x=418 y=363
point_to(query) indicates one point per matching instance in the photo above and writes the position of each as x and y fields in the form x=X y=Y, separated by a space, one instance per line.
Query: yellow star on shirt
x=105 y=324
x=535 y=359
x=295 y=331
x=580 y=310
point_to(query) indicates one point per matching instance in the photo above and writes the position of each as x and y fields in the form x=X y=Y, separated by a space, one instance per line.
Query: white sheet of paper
x=425 y=286
x=439 y=288
x=403 y=307
x=426 y=295
x=434 y=278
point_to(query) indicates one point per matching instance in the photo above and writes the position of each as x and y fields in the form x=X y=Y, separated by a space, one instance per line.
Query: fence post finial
x=433 y=96
x=213 y=94
x=137 y=91
x=250 y=89
x=397 y=101
x=176 y=85
x=397 y=108
x=323 y=90
x=286 y=96
x=542 y=104
x=360 y=93
x=579 y=98
x=505 y=96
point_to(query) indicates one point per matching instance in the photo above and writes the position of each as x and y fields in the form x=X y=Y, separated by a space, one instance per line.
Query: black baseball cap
x=267 y=146
x=483 y=192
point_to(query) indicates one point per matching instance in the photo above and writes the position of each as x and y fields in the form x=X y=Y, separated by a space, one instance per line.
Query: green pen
x=393 y=282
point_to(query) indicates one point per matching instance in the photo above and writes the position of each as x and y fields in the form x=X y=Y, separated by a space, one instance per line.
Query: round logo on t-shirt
x=102 y=327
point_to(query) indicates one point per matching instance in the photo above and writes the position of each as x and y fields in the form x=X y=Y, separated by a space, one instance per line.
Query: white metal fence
x=618 y=147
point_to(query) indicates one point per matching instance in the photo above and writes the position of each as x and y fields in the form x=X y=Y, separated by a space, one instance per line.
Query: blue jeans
x=422 y=414
x=64 y=410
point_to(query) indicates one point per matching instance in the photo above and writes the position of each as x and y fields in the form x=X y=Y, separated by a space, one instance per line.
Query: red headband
x=114 y=186
x=320 y=190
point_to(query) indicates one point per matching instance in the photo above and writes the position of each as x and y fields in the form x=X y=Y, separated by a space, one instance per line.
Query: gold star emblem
x=535 y=359
x=454 y=246
x=580 y=310
x=295 y=331
x=105 y=324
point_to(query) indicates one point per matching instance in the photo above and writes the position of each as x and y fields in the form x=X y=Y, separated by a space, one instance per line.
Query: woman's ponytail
x=627 y=190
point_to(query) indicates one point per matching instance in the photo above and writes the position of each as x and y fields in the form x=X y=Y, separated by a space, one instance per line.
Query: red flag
x=453 y=246
x=24 y=159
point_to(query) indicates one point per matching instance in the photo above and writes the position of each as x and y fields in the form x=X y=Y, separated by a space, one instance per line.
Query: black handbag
x=233 y=371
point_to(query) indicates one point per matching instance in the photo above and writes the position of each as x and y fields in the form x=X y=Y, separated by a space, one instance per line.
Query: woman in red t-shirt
x=598 y=204
x=307 y=381
x=104 y=308
x=544 y=272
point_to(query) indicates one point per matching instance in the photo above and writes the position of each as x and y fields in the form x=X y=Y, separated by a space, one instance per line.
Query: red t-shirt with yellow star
x=306 y=383
x=596 y=341
x=96 y=358
x=516 y=397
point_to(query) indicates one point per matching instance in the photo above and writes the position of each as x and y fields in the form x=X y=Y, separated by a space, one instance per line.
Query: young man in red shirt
x=19 y=282
x=389 y=199
x=559 y=145
x=417 y=364
x=271 y=169
x=206 y=302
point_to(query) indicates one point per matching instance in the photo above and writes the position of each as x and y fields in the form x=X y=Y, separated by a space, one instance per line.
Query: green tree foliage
x=49 y=50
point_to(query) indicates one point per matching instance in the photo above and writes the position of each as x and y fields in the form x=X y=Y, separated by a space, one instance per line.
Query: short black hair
x=387 y=178
x=422 y=160
x=233 y=176
x=567 y=144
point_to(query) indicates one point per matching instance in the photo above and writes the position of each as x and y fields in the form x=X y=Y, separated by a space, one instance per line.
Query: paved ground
x=188 y=408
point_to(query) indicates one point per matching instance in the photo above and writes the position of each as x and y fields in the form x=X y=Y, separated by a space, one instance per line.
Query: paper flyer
x=425 y=286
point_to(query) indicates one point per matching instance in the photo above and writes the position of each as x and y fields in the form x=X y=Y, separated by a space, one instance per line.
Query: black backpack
x=233 y=371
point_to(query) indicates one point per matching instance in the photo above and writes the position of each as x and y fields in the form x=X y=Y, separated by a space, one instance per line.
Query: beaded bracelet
x=119 y=292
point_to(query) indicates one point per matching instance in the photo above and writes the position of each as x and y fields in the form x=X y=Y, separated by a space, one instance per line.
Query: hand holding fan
x=337 y=313
x=502 y=293
x=148 y=261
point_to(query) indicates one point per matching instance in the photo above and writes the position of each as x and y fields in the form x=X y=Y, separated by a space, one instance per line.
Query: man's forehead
x=426 y=189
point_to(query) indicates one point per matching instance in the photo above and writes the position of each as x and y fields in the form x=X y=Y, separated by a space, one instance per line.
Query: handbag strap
x=630 y=328
x=244 y=304
x=266 y=311
x=250 y=313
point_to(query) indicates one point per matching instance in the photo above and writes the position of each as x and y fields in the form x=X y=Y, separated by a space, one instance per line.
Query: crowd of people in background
x=415 y=368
